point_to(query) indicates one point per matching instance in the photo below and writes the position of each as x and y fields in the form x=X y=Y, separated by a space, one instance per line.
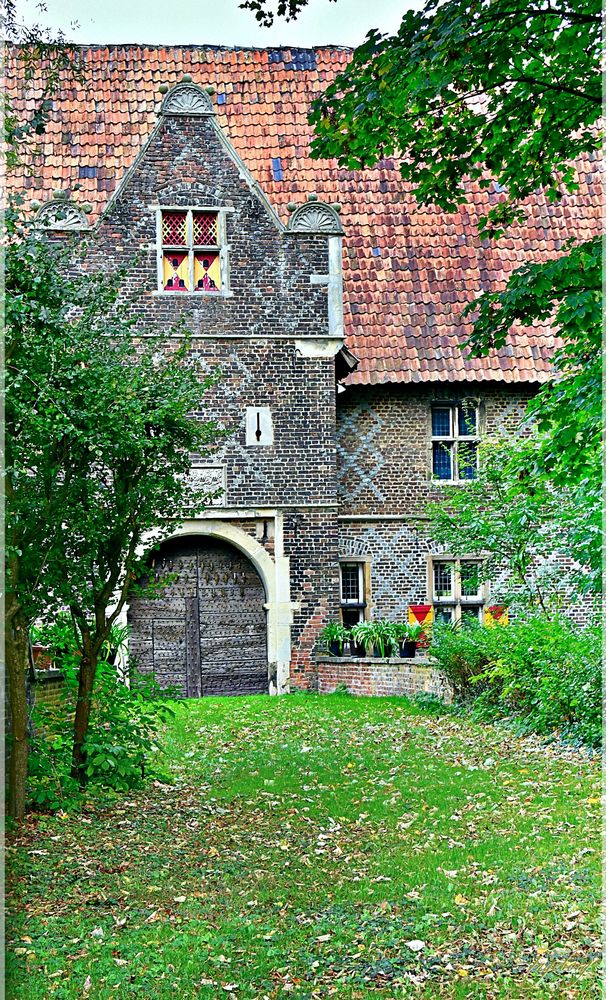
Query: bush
x=121 y=742
x=545 y=673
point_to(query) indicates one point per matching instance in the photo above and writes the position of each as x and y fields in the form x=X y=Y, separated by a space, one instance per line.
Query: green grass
x=296 y=848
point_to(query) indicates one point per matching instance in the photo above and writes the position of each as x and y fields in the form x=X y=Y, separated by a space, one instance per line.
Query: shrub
x=121 y=742
x=545 y=673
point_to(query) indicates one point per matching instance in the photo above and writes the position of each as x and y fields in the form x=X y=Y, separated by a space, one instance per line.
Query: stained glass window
x=454 y=429
x=191 y=252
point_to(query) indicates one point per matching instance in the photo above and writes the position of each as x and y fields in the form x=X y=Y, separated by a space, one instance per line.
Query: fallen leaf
x=415 y=945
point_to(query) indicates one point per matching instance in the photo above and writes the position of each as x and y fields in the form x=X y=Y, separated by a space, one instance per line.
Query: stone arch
x=274 y=574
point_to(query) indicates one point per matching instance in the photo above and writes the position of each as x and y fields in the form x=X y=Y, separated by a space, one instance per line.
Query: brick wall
x=384 y=470
x=250 y=336
x=383 y=678
x=48 y=687
x=384 y=441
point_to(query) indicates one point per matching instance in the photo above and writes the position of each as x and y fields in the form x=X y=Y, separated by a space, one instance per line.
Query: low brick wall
x=47 y=687
x=382 y=677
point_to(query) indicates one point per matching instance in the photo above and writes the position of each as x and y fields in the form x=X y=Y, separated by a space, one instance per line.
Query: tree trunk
x=17 y=668
x=86 y=682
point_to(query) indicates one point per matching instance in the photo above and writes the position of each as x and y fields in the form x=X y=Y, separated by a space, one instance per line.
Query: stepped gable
x=409 y=269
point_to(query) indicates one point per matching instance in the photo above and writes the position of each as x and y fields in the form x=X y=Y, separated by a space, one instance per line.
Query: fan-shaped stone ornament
x=315 y=217
x=61 y=216
x=187 y=99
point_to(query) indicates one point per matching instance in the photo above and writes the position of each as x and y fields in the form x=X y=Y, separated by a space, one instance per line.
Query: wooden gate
x=205 y=632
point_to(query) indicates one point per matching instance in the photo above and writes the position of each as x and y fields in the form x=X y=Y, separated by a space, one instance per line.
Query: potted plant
x=385 y=641
x=363 y=634
x=411 y=635
x=333 y=636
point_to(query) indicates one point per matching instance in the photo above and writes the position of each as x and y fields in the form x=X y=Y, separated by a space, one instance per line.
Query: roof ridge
x=201 y=45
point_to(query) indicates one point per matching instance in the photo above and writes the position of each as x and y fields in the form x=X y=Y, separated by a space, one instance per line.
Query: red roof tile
x=402 y=308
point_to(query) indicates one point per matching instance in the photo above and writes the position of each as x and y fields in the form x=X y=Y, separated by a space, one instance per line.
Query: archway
x=205 y=633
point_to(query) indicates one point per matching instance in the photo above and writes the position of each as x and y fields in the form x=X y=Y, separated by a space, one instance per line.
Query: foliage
x=100 y=429
x=52 y=61
x=544 y=673
x=414 y=632
x=379 y=635
x=430 y=703
x=121 y=742
x=306 y=841
x=568 y=409
x=499 y=91
x=334 y=632
x=513 y=519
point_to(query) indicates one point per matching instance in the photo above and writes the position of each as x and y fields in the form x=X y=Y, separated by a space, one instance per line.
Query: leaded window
x=353 y=597
x=190 y=252
x=457 y=589
x=454 y=441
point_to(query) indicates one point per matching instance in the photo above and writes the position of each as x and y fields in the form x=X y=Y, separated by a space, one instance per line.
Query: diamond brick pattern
x=205 y=228
x=402 y=308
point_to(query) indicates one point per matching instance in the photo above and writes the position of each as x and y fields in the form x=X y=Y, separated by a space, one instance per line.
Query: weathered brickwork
x=383 y=678
x=248 y=334
x=311 y=541
x=48 y=688
x=384 y=469
x=384 y=463
x=346 y=475
x=384 y=442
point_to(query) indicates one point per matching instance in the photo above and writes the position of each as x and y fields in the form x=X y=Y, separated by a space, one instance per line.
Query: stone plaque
x=211 y=478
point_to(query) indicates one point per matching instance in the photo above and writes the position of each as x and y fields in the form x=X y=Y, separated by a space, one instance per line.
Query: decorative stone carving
x=187 y=99
x=315 y=217
x=60 y=215
x=211 y=478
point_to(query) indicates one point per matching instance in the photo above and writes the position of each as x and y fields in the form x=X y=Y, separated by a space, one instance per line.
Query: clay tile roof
x=403 y=304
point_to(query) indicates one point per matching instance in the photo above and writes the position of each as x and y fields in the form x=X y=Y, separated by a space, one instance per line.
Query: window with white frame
x=454 y=440
x=353 y=592
x=191 y=253
x=457 y=590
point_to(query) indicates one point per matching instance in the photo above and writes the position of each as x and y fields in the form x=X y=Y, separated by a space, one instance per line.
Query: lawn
x=317 y=847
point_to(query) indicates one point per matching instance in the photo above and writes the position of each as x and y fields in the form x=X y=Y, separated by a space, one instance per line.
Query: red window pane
x=174 y=228
x=205 y=229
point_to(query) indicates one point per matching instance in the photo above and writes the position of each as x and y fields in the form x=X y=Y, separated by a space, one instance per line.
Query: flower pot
x=356 y=649
x=336 y=649
x=408 y=650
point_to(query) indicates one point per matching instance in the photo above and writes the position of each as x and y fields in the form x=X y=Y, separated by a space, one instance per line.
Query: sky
x=345 y=22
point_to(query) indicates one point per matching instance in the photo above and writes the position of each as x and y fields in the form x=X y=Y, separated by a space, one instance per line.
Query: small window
x=457 y=590
x=353 y=597
x=454 y=441
x=190 y=251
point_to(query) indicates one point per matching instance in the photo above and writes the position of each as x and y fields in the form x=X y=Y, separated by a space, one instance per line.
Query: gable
x=409 y=270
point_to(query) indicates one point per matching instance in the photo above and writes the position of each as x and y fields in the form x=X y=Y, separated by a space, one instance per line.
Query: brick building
x=331 y=301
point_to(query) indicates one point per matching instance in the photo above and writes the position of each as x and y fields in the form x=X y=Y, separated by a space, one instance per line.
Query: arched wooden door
x=205 y=633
